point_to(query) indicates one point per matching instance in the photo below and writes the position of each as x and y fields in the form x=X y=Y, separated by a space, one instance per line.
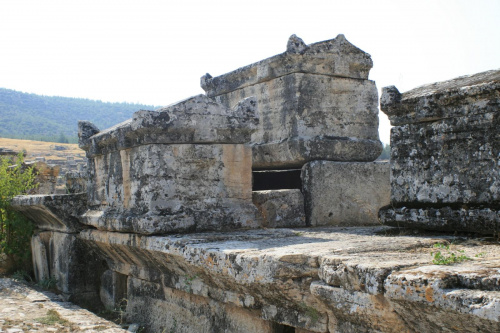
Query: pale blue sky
x=154 y=52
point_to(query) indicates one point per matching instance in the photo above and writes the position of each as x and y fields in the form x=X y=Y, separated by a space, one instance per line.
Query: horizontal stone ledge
x=476 y=220
x=300 y=277
x=297 y=151
x=238 y=214
x=56 y=212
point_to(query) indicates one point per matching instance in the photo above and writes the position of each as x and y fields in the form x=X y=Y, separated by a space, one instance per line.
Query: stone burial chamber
x=178 y=169
x=254 y=208
x=315 y=103
x=445 y=155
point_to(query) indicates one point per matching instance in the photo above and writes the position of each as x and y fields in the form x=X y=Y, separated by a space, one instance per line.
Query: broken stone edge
x=476 y=220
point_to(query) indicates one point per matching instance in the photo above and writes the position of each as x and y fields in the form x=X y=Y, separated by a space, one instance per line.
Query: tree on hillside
x=15 y=229
x=62 y=138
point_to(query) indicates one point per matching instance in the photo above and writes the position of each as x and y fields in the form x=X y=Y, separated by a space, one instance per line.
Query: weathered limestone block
x=358 y=279
x=65 y=258
x=170 y=188
x=354 y=311
x=345 y=193
x=197 y=119
x=445 y=148
x=57 y=212
x=280 y=208
x=366 y=272
x=481 y=220
x=181 y=168
x=40 y=258
x=315 y=102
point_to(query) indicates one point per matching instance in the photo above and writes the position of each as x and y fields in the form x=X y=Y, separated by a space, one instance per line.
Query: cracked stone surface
x=320 y=280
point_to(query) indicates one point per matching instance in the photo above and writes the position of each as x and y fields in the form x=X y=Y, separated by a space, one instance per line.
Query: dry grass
x=41 y=148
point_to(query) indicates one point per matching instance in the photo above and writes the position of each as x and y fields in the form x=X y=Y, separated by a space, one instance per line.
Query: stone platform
x=314 y=280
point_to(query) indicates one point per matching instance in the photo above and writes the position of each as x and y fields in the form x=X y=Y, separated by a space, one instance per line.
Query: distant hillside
x=55 y=119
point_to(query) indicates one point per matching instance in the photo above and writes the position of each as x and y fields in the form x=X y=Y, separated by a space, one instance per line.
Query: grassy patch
x=449 y=257
x=51 y=318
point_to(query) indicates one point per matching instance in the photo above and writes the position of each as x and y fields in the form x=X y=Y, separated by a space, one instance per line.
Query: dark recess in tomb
x=276 y=180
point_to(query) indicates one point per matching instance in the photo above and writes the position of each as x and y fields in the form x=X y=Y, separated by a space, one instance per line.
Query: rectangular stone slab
x=318 y=279
x=344 y=194
x=280 y=208
x=164 y=188
x=197 y=119
x=448 y=161
x=477 y=220
x=462 y=96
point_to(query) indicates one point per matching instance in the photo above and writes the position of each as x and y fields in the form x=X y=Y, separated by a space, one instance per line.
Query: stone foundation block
x=169 y=310
x=483 y=220
x=345 y=194
x=280 y=208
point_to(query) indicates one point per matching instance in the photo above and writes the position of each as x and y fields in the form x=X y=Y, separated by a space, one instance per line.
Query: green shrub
x=15 y=229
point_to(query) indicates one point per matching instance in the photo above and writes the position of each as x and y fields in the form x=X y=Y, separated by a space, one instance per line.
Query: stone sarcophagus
x=181 y=168
x=445 y=150
x=315 y=103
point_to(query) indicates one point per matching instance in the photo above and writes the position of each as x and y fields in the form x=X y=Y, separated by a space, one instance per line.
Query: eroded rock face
x=315 y=103
x=64 y=258
x=444 y=154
